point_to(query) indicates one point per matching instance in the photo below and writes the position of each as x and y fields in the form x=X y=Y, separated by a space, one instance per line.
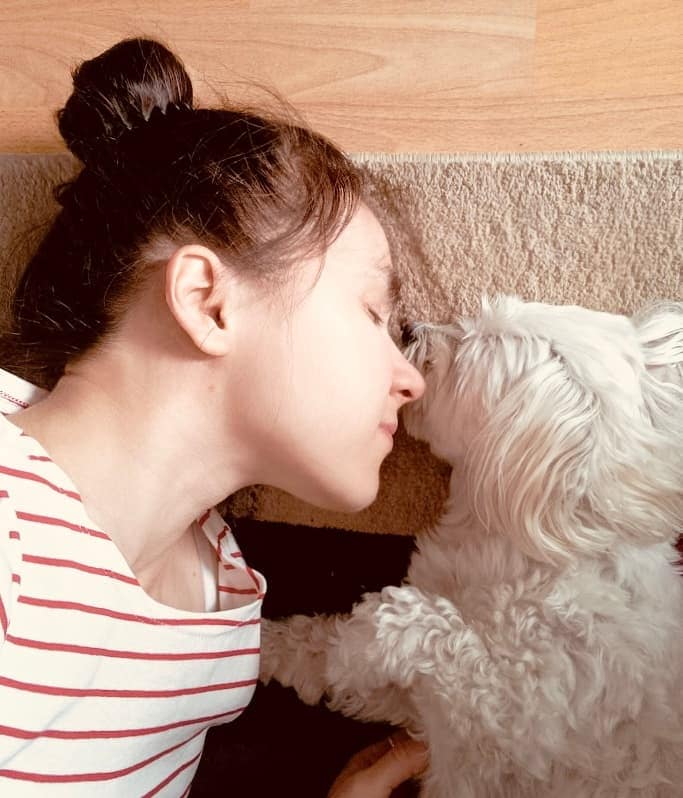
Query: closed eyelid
x=383 y=306
x=376 y=317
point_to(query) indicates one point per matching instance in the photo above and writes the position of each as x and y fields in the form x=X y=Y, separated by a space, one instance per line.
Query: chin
x=356 y=503
x=355 y=498
x=339 y=482
x=339 y=497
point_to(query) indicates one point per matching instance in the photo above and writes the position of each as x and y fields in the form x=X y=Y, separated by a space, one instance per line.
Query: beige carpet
x=601 y=230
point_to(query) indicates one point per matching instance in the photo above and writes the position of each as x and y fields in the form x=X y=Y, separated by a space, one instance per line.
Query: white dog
x=536 y=644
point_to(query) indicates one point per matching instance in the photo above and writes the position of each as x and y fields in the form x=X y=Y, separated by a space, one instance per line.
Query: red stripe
x=124 y=616
x=63 y=778
x=14 y=535
x=110 y=734
x=16 y=578
x=13 y=472
x=3 y=617
x=40 y=457
x=171 y=776
x=201 y=520
x=187 y=792
x=13 y=399
x=253 y=576
x=238 y=591
x=47 y=689
x=219 y=540
x=4 y=494
x=79 y=566
x=71 y=648
x=50 y=521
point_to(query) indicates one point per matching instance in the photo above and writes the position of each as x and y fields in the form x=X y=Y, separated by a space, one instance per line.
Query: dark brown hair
x=259 y=189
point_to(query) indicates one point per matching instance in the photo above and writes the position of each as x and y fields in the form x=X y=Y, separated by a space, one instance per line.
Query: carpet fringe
x=607 y=156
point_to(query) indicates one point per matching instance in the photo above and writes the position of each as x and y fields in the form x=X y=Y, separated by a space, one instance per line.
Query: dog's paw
x=288 y=657
x=271 y=648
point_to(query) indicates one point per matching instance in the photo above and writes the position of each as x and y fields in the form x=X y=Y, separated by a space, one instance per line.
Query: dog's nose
x=408 y=332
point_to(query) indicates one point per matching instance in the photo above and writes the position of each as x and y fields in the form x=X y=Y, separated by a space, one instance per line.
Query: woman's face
x=320 y=374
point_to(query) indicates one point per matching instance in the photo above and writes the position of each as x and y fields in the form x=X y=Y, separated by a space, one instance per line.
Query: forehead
x=365 y=249
x=363 y=237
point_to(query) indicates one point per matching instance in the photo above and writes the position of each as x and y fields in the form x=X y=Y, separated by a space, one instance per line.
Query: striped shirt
x=103 y=690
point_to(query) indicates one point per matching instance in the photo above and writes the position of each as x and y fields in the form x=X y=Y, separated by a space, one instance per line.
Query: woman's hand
x=375 y=771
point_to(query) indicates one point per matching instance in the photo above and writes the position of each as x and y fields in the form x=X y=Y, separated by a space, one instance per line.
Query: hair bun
x=118 y=91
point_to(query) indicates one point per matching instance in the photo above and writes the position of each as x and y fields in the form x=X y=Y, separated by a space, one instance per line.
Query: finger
x=367 y=756
x=406 y=759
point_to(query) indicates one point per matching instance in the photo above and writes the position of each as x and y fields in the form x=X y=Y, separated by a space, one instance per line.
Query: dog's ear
x=659 y=329
x=562 y=470
x=527 y=468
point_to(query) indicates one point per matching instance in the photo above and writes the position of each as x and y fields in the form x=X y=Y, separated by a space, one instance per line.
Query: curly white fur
x=536 y=644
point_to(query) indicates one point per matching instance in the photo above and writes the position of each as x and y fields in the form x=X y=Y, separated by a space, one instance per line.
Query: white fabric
x=209 y=569
x=103 y=690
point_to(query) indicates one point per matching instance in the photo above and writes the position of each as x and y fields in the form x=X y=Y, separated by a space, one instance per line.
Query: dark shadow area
x=280 y=746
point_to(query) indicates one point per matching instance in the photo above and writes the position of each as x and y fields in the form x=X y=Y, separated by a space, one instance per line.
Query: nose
x=408 y=332
x=410 y=382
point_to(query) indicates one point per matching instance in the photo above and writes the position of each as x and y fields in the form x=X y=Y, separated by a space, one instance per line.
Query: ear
x=194 y=287
x=560 y=471
x=659 y=329
x=528 y=467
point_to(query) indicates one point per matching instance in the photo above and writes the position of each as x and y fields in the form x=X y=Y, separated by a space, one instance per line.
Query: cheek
x=332 y=366
x=324 y=378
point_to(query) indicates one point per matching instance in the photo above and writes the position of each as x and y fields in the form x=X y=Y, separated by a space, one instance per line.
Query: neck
x=144 y=461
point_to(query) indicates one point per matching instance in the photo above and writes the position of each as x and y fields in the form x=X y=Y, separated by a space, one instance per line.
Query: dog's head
x=566 y=423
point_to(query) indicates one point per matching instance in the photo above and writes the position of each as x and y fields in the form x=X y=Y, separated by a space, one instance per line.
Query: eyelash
x=377 y=319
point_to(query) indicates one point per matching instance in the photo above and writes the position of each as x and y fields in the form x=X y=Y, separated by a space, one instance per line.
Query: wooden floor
x=382 y=75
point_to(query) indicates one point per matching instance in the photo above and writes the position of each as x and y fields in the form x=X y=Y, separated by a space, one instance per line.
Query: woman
x=208 y=311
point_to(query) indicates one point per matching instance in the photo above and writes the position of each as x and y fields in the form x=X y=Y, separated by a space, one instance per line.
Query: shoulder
x=25 y=468
x=11 y=462
x=7 y=517
x=10 y=560
x=16 y=394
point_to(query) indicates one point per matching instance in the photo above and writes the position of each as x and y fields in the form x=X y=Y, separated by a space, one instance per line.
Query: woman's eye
x=378 y=320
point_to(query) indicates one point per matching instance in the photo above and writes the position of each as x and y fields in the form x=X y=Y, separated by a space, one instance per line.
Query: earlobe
x=195 y=296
